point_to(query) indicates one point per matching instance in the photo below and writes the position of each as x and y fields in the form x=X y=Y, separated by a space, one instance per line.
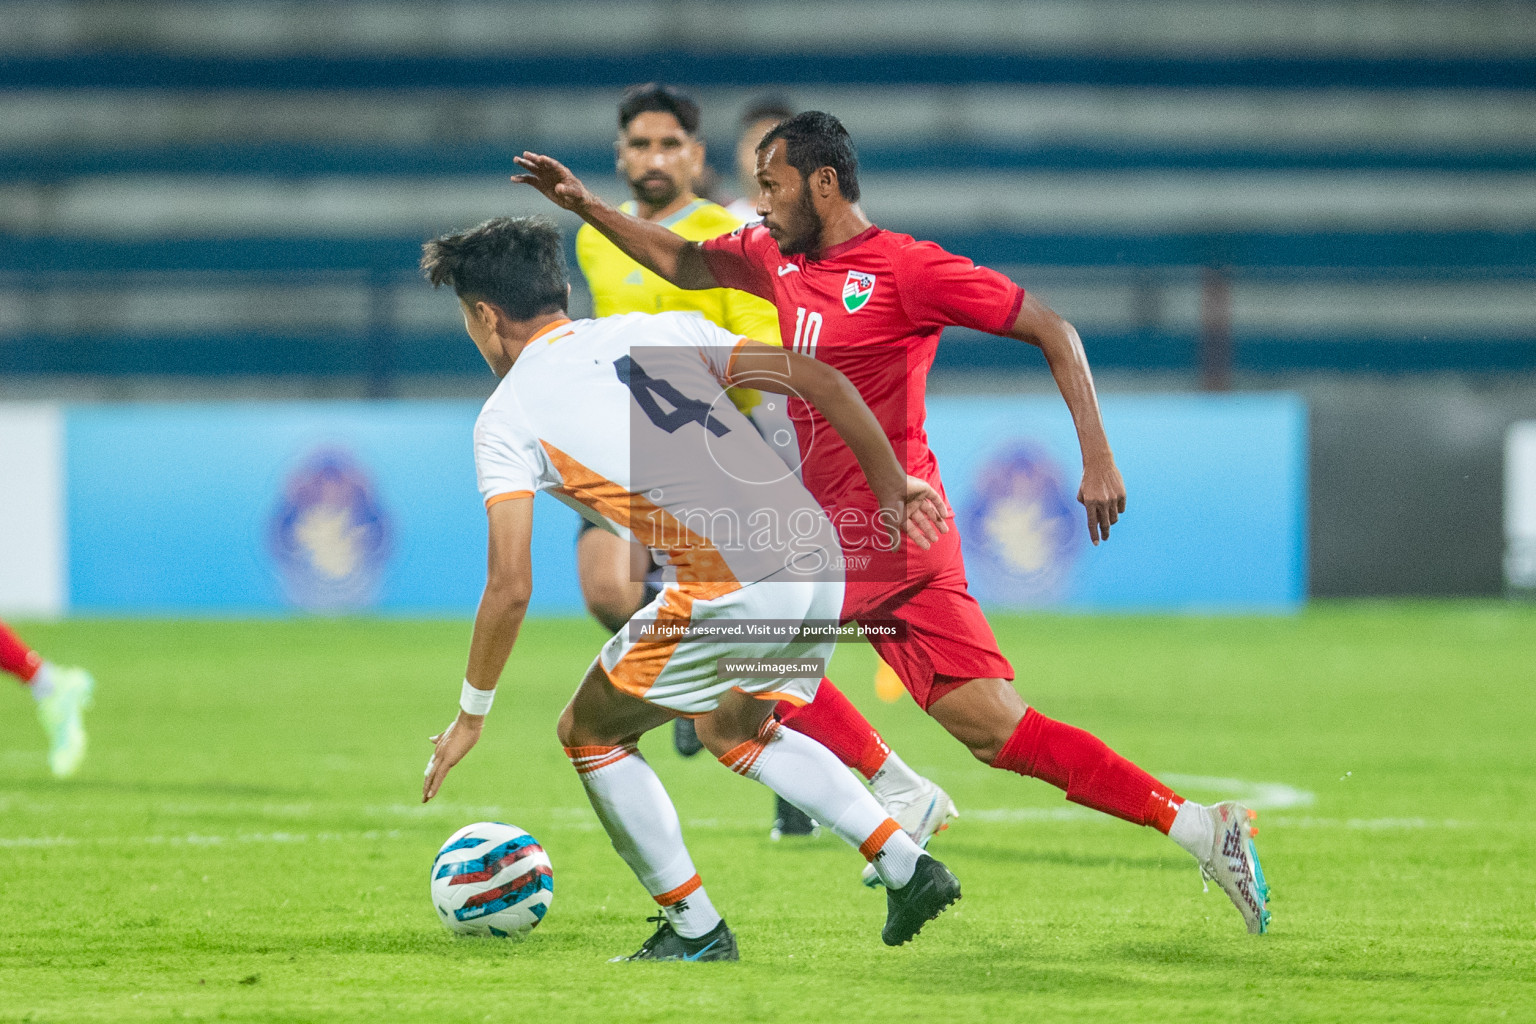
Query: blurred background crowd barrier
x=224 y=201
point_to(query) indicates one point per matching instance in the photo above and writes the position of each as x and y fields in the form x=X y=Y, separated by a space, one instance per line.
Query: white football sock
x=807 y=774
x=641 y=822
x=893 y=853
x=895 y=783
x=1192 y=829
x=42 y=682
x=692 y=915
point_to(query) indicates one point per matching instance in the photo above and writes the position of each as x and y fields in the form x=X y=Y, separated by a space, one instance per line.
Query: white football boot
x=1232 y=862
x=930 y=810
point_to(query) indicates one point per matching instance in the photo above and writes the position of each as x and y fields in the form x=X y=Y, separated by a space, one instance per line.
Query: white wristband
x=475 y=702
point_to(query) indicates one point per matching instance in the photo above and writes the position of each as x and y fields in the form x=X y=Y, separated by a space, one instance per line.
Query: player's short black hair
x=667 y=99
x=516 y=263
x=764 y=107
x=814 y=139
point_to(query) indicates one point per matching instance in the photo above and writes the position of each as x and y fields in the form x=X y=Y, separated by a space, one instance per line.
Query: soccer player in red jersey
x=658 y=150
x=62 y=695
x=873 y=303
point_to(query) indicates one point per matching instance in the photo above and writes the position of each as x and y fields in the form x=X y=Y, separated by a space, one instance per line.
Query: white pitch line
x=198 y=839
x=1369 y=824
x=1258 y=795
x=1261 y=796
x=1013 y=814
x=1002 y=815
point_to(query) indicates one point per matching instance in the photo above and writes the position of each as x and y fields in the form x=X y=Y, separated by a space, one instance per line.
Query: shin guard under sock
x=833 y=721
x=643 y=826
x=1088 y=770
x=806 y=774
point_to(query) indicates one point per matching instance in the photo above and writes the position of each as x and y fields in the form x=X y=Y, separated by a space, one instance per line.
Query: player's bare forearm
x=652 y=246
x=503 y=606
x=1103 y=491
x=508 y=585
x=1058 y=340
x=771 y=368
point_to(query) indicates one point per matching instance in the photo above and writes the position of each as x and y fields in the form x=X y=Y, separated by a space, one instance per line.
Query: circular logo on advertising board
x=1023 y=528
x=329 y=534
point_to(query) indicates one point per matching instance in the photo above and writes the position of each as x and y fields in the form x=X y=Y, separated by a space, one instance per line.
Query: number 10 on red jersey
x=807 y=332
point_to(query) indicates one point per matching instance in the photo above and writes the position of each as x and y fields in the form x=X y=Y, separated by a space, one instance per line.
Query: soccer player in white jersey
x=625 y=419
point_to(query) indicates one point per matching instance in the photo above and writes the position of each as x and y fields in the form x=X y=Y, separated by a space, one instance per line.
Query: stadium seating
x=244 y=192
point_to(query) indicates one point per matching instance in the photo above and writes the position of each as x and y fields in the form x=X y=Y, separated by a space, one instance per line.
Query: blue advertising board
x=328 y=507
x=350 y=507
x=1215 y=514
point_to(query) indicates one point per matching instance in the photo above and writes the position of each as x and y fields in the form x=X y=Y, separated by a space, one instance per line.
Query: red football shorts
x=947 y=641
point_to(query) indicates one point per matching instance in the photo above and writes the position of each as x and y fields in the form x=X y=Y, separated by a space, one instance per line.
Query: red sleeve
x=741 y=260
x=940 y=289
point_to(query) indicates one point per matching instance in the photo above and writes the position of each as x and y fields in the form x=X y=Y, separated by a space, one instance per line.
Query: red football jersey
x=872 y=307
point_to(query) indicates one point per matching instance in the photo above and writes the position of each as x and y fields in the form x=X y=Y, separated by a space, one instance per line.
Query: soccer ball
x=491 y=879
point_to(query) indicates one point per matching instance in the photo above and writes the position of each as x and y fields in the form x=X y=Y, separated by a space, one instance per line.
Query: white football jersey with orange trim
x=625 y=418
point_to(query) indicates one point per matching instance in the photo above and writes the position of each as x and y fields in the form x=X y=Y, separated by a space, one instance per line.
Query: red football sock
x=833 y=721
x=16 y=657
x=1092 y=774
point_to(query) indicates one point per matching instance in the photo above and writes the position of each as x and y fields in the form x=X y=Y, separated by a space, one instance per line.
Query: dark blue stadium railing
x=290 y=160
x=1470 y=252
x=379 y=350
x=556 y=70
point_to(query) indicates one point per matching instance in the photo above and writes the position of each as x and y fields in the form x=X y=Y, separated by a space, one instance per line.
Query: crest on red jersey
x=857 y=289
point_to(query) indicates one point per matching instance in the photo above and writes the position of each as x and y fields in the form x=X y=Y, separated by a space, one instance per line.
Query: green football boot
x=61 y=713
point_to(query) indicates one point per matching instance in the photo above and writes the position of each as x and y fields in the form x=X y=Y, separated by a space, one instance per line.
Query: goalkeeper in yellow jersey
x=660 y=155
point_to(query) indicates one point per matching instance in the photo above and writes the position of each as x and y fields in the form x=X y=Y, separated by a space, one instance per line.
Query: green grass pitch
x=245 y=841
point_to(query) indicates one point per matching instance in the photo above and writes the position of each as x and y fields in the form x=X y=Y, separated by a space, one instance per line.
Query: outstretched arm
x=508 y=585
x=1102 y=492
x=651 y=245
x=906 y=502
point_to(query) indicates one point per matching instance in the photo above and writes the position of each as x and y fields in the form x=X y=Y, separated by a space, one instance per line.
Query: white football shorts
x=682 y=674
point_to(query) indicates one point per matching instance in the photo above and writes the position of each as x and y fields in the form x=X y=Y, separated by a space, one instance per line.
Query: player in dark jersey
x=873 y=303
